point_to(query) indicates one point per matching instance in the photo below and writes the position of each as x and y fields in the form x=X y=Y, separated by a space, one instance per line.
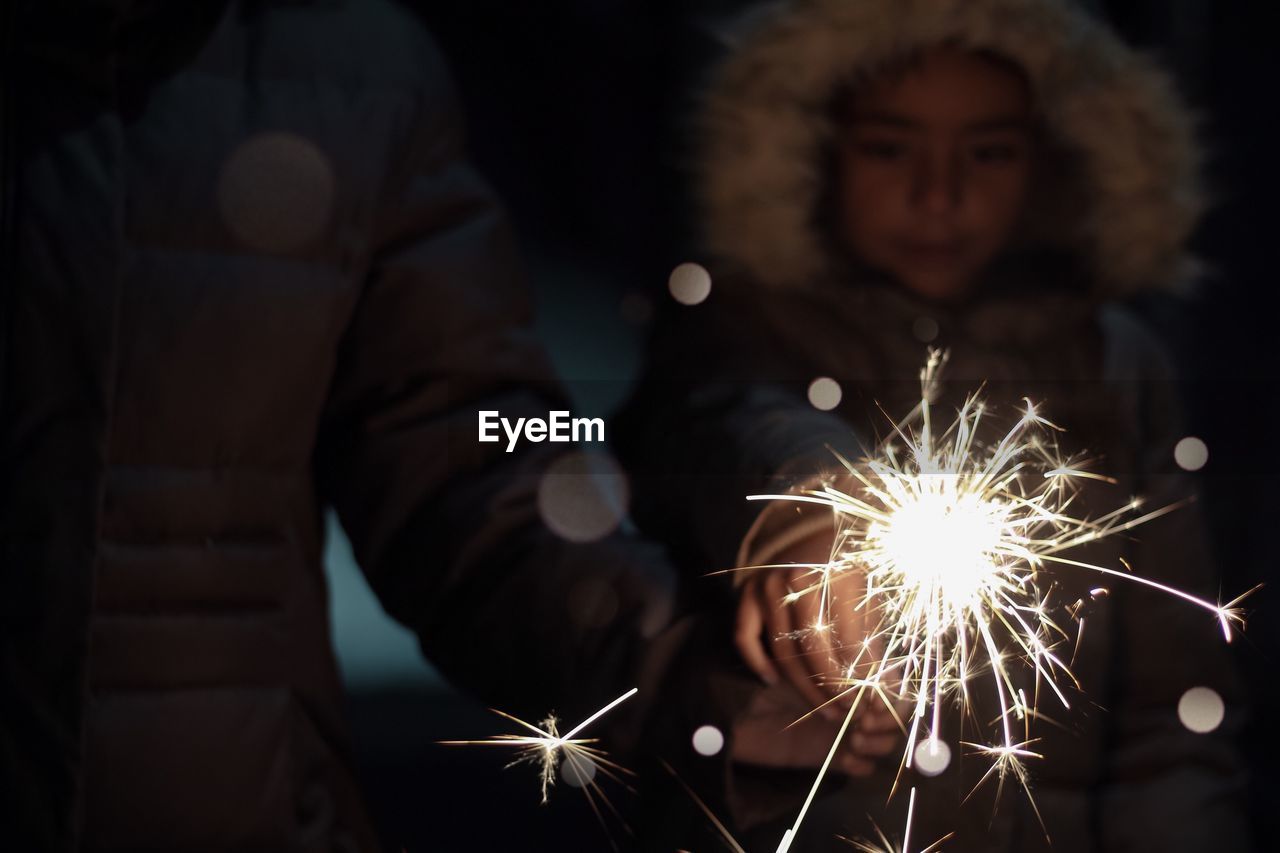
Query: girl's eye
x=996 y=153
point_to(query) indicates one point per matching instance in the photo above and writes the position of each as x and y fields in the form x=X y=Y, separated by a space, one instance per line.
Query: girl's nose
x=939 y=184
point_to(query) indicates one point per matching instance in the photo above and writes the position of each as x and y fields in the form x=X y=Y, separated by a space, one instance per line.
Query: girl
x=992 y=177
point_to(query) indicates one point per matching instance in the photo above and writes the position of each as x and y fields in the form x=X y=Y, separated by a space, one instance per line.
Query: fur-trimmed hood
x=765 y=122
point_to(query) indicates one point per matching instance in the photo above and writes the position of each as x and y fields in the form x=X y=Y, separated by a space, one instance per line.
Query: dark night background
x=577 y=112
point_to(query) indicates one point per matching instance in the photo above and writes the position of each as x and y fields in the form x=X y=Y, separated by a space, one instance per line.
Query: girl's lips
x=947 y=252
x=942 y=250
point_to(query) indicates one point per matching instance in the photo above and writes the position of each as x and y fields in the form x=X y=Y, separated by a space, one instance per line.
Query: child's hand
x=809 y=643
x=774 y=732
x=779 y=642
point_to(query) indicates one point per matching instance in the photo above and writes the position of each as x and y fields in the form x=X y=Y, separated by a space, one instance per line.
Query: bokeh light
x=932 y=756
x=925 y=329
x=708 y=740
x=1191 y=453
x=1201 y=709
x=276 y=192
x=825 y=393
x=583 y=496
x=577 y=770
x=689 y=283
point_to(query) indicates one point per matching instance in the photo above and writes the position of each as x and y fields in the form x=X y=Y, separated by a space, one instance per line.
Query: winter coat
x=248 y=273
x=723 y=412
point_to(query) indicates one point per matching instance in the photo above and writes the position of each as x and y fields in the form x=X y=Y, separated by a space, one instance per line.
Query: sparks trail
x=725 y=835
x=884 y=845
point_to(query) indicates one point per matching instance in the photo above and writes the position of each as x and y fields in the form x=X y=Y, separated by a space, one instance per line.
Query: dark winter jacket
x=248 y=273
x=727 y=391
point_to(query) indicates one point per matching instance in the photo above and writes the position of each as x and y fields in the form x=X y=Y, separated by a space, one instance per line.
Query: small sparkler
x=951 y=536
x=547 y=749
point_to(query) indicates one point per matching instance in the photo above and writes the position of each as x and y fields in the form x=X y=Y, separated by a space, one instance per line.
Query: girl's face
x=933 y=170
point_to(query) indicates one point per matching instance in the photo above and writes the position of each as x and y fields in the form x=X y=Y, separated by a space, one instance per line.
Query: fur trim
x=765 y=123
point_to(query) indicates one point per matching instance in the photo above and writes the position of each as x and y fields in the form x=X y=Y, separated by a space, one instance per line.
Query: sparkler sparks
x=546 y=748
x=952 y=537
x=887 y=846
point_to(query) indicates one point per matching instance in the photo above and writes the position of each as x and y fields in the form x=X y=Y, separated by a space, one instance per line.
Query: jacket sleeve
x=1166 y=787
x=723 y=413
x=447 y=528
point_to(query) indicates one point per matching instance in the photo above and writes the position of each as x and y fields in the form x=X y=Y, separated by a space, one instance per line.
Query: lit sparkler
x=544 y=747
x=951 y=536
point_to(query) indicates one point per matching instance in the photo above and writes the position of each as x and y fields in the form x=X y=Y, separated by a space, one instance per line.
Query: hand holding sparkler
x=793 y=629
x=953 y=536
x=779 y=730
x=785 y=631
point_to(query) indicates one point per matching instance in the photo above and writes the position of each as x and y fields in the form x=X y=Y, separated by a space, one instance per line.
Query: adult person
x=248 y=274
